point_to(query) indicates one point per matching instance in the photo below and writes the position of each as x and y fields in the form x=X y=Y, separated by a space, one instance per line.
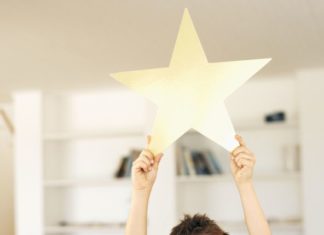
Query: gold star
x=190 y=93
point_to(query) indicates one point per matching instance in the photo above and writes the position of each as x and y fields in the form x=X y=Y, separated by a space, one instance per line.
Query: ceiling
x=77 y=43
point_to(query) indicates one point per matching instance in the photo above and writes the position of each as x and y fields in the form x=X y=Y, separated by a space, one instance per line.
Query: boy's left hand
x=242 y=163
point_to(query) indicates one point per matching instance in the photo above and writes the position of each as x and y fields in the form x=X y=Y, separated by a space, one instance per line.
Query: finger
x=233 y=162
x=144 y=159
x=238 y=161
x=157 y=161
x=140 y=161
x=148 y=140
x=241 y=149
x=148 y=154
x=234 y=165
x=147 y=167
x=232 y=159
x=149 y=160
x=240 y=140
x=244 y=156
x=245 y=162
x=142 y=166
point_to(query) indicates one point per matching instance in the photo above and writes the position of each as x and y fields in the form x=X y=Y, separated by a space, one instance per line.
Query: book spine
x=190 y=163
x=197 y=163
x=129 y=166
x=179 y=161
x=210 y=164
x=122 y=167
x=214 y=162
x=204 y=164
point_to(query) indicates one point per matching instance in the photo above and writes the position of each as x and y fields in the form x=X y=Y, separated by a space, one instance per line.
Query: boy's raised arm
x=144 y=172
x=242 y=164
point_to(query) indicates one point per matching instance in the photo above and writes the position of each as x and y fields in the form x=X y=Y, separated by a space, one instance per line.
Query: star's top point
x=188 y=50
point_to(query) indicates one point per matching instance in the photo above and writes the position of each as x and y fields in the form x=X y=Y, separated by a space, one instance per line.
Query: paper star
x=190 y=93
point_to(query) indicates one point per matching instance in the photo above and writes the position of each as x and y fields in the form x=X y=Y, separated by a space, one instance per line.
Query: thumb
x=157 y=160
x=240 y=140
x=148 y=140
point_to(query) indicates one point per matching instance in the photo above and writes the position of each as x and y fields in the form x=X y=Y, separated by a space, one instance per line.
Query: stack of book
x=125 y=167
x=197 y=162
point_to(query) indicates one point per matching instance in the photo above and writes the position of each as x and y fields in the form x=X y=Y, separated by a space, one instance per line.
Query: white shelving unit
x=69 y=162
x=80 y=140
x=80 y=159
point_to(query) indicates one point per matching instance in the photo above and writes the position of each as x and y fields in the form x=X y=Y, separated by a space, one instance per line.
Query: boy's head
x=197 y=225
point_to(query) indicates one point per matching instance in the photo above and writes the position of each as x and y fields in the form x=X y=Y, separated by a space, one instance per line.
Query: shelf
x=228 y=177
x=74 y=135
x=180 y=179
x=259 y=127
x=280 y=225
x=230 y=226
x=87 y=183
x=89 y=229
x=268 y=126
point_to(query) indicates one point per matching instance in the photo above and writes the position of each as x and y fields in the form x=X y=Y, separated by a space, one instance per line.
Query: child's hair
x=197 y=225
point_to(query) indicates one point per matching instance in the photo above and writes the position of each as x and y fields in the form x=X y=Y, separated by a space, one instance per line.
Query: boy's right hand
x=144 y=169
x=242 y=163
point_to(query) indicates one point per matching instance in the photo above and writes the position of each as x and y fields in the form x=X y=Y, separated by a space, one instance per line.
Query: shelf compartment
x=87 y=182
x=279 y=225
x=85 y=229
x=228 y=177
x=75 y=135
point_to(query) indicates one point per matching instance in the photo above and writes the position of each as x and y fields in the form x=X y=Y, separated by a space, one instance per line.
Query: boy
x=144 y=172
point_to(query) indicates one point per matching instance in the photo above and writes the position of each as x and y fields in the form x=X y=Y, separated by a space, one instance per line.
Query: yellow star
x=190 y=93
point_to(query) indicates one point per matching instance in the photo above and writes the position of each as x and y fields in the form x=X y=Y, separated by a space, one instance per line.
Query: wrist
x=141 y=194
x=245 y=186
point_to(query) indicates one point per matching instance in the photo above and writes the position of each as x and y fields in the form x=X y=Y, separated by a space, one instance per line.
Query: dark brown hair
x=197 y=225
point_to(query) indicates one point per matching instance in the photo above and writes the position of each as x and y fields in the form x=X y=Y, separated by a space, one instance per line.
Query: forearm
x=253 y=213
x=137 y=220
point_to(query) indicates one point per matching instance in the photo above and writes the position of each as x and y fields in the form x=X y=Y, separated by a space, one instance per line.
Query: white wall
x=311 y=89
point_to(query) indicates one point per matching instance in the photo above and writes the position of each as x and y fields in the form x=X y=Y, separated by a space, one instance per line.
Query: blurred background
x=69 y=132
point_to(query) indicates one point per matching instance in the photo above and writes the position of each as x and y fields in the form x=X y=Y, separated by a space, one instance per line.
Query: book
x=189 y=161
x=134 y=154
x=179 y=160
x=126 y=162
x=200 y=163
x=122 y=168
x=209 y=163
x=213 y=162
x=196 y=162
x=129 y=163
